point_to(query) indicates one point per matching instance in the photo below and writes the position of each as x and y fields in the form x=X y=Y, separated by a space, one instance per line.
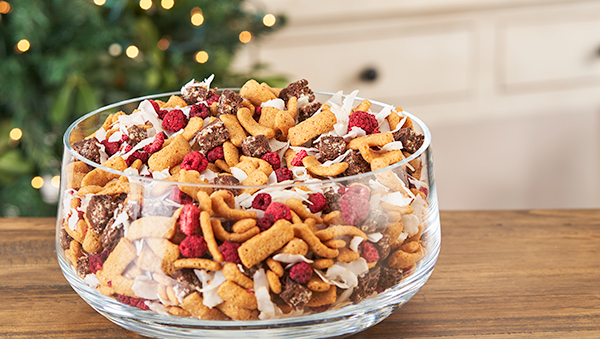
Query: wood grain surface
x=501 y=274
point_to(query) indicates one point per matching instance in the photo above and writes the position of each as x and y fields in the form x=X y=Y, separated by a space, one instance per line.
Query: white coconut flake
x=354 y=243
x=208 y=175
x=261 y=290
x=161 y=174
x=139 y=245
x=392 y=146
x=148 y=112
x=374 y=237
x=239 y=174
x=397 y=199
x=272 y=179
x=139 y=145
x=355 y=132
x=131 y=171
x=243 y=200
x=276 y=145
x=402 y=237
x=343 y=299
x=337 y=160
x=116 y=137
x=92 y=280
x=382 y=115
x=291 y=258
x=411 y=224
x=309 y=150
x=419 y=206
x=100 y=134
x=275 y=103
x=341 y=277
x=210 y=284
x=300 y=173
x=157 y=307
x=145 y=288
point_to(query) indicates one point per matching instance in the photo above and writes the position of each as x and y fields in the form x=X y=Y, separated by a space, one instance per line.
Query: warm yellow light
x=23 y=45
x=99 y=2
x=201 y=57
x=167 y=4
x=4 y=7
x=132 y=52
x=115 y=49
x=269 y=20
x=15 y=134
x=145 y=4
x=37 y=182
x=197 y=18
x=245 y=37
x=163 y=44
x=55 y=181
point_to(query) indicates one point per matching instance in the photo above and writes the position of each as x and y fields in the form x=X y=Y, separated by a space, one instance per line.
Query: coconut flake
x=207 y=174
x=100 y=134
x=261 y=290
x=385 y=111
x=309 y=150
x=210 y=284
x=374 y=237
x=161 y=174
x=272 y=179
x=276 y=103
x=92 y=280
x=336 y=160
x=354 y=243
x=276 y=145
x=291 y=258
x=394 y=145
x=419 y=205
x=397 y=199
x=157 y=307
x=238 y=174
x=145 y=288
x=411 y=224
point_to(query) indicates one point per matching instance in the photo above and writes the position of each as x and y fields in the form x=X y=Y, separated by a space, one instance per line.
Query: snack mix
x=296 y=245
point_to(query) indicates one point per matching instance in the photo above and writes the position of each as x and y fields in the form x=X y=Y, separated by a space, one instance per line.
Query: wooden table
x=501 y=274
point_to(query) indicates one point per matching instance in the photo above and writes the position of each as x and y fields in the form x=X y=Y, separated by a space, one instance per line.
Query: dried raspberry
x=215 y=154
x=319 y=202
x=124 y=137
x=273 y=159
x=189 y=220
x=110 y=147
x=195 y=161
x=361 y=190
x=136 y=302
x=284 y=174
x=229 y=251
x=211 y=99
x=143 y=156
x=261 y=201
x=155 y=146
x=180 y=197
x=193 y=246
x=355 y=208
x=369 y=252
x=424 y=190
x=258 y=110
x=278 y=211
x=265 y=222
x=97 y=260
x=155 y=105
x=364 y=120
x=199 y=110
x=342 y=190
x=174 y=120
x=127 y=148
x=297 y=161
x=301 y=272
x=162 y=113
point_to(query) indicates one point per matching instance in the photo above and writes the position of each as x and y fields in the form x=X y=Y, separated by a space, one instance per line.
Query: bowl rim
x=68 y=147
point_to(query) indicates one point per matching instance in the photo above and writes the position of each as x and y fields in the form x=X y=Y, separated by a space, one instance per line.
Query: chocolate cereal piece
x=88 y=149
x=411 y=141
x=332 y=202
x=331 y=147
x=227 y=179
x=297 y=89
x=366 y=285
x=110 y=236
x=356 y=164
x=377 y=221
x=100 y=210
x=211 y=136
x=194 y=93
x=256 y=146
x=294 y=294
x=229 y=102
x=64 y=238
x=384 y=247
x=389 y=276
x=308 y=111
x=136 y=134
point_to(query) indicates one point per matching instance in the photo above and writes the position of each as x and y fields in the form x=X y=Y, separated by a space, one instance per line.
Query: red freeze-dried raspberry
x=189 y=220
x=162 y=113
x=155 y=146
x=174 y=120
x=194 y=161
x=301 y=272
x=364 y=120
x=131 y=301
x=110 y=147
x=265 y=222
x=215 y=154
x=193 y=246
x=361 y=190
x=369 y=252
x=278 y=211
x=283 y=174
x=211 y=99
x=127 y=148
x=297 y=161
x=261 y=201
x=355 y=208
x=229 y=251
x=155 y=105
x=342 y=190
x=199 y=110
x=273 y=159
x=180 y=197
x=97 y=260
x=319 y=202
x=143 y=156
x=424 y=190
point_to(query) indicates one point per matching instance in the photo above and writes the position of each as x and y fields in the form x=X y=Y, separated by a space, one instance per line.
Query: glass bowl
x=156 y=203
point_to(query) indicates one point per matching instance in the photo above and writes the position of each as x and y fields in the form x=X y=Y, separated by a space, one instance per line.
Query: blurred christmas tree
x=60 y=59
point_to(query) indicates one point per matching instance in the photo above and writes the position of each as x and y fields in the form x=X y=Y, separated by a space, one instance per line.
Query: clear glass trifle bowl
x=297 y=214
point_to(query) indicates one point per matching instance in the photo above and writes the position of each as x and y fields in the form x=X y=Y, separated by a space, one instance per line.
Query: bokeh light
x=132 y=52
x=4 y=7
x=37 y=182
x=167 y=4
x=197 y=17
x=23 y=45
x=245 y=37
x=115 y=49
x=99 y=2
x=201 y=57
x=15 y=134
x=269 y=20
x=164 y=43
x=55 y=181
x=145 y=4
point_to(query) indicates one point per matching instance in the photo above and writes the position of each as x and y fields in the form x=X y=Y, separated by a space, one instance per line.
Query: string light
x=55 y=181
x=197 y=17
x=245 y=37
x=201 y=57
x=23 y=46
x=164 y=43
x=99 y=2
x=4 y=7
x=115 y=49
x=167 y=4
x=37 y=182
x=132 y=52
x=269 y=20
x=15 y=134
x=145 y=4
